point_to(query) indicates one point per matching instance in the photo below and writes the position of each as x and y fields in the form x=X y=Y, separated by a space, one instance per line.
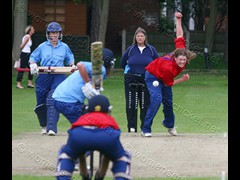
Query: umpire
x=134 y=60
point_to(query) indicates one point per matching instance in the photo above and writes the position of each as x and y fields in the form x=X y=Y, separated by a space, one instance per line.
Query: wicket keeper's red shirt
x=165 y=67
x=98 y=119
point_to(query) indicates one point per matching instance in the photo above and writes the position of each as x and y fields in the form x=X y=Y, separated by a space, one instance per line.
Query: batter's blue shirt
x=70 y=90
x=47 y=55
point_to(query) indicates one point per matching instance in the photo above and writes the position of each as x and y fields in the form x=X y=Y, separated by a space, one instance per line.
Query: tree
x=200 y=7
x=99 y=18
x=19 y=22
x=95 y=20
x=209 y=36
x=103 y=21
x=226 y=41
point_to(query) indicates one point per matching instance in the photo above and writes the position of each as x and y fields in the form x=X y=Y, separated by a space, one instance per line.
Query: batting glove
x=89 y=91
x=74 y=67
x=34 y=68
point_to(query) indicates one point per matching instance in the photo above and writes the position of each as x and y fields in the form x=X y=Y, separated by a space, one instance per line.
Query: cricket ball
x=155 y=83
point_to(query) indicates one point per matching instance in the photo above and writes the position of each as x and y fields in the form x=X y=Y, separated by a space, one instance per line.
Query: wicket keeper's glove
x=89 y=91
x=34 y=68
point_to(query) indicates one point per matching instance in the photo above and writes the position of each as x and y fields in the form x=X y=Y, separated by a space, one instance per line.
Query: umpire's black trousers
x=136 y=94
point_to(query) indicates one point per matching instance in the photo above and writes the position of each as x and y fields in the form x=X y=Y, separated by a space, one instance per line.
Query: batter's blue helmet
x=98 y=103
x=54 y=27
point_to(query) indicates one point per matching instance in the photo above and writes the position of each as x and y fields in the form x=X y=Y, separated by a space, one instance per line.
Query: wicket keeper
x=96 y=130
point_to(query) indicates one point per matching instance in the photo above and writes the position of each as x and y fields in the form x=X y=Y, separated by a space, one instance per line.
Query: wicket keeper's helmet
x=54 y=27
x=98 y=103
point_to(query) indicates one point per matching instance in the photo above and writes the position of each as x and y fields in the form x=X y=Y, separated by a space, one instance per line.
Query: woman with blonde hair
x=24 y=56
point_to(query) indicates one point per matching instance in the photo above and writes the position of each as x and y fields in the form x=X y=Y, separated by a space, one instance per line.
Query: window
x=55 y=11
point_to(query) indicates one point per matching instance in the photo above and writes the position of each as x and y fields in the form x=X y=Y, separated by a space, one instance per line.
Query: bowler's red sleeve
x=180 y=42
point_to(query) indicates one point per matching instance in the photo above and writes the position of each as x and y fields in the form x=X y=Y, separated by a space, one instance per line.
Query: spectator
x=134 y=60
x=51 y=53
x=24 y=56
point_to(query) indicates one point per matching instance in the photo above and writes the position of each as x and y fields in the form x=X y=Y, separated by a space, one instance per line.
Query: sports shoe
x=172 y=131
x=31 y=86
x=146 y=134
x=132 y=129
x=51 y=133
x=44 y=130
x=19 y=87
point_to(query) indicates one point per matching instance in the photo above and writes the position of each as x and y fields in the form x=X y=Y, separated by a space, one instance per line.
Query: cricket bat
x=97 y=81
x=50 y=70
x=97 y=62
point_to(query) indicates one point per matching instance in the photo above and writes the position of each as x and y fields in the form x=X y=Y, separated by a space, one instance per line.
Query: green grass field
x=200 y=106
